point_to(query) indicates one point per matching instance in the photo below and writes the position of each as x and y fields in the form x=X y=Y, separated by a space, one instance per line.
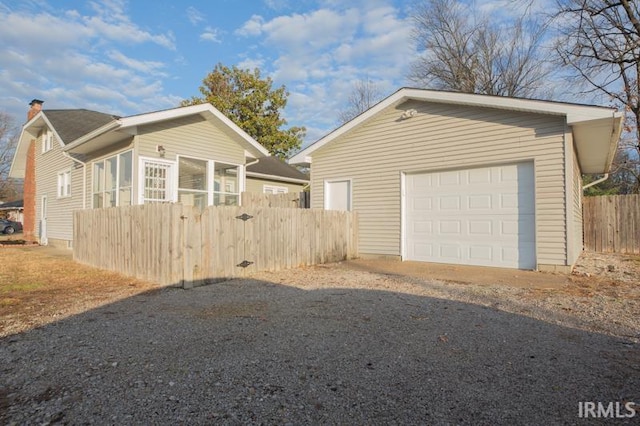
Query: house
x=12 y=210
x=78 y=159
x=465 y=179
x=270 y=175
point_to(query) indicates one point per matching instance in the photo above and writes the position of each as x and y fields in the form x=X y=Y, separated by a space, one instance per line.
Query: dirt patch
x=39 y=285
x=37 y=288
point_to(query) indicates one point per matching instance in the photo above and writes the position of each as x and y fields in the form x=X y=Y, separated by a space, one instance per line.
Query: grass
x=20 y=287
x=38 y=285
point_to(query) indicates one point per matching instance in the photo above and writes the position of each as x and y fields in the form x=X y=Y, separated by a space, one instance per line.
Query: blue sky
x=128 y=57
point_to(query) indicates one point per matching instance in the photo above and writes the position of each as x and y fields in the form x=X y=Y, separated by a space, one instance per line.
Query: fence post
x=192 y=246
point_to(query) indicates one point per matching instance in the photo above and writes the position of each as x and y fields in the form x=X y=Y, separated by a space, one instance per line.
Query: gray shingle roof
x=74 y=123
x=276 y=167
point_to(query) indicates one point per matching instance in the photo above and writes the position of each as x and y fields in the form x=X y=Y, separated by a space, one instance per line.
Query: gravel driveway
x=348 y=348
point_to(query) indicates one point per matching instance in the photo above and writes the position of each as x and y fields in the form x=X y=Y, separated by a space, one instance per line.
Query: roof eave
x=276 y=177
x=115 y=124
x=596 y=142
x=19 y=161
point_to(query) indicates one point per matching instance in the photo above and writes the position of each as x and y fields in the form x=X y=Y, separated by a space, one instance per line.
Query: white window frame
x=240 y=179
x=209 y=178
x=64 y=183
x=274 y=189
x=172 y=178
x=118 y=183
x=47 y=140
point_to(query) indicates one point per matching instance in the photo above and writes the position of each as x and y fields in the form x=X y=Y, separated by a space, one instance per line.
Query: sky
x=129 y=57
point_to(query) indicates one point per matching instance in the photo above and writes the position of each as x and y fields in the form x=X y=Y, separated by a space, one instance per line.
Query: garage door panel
x=483 y=202
x=449 y=178
x=481 y=216
x=479 y=176
x=447 y=203
x=422 y=204
x=480 y=228
x=481 y=253
x=450 y=251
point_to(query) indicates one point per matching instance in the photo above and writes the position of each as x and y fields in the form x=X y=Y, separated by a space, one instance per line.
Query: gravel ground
x=327 y=345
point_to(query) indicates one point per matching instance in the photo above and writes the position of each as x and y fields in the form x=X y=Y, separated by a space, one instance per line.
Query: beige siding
x=59 y=210
x=189 y=136
x=443 y=137
x=256 y=185
x=576 y=208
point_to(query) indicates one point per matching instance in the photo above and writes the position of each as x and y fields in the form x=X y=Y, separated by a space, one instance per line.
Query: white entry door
x=43 y=221
x=481 y=216
x=337 y=195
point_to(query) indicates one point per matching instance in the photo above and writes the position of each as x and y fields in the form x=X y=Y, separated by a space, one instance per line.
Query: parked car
x=9 y=226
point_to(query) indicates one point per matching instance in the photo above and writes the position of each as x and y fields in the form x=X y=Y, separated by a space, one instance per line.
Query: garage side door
x=481 y=216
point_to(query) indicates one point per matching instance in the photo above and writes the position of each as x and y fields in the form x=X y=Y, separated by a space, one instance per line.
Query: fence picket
x=612 y=223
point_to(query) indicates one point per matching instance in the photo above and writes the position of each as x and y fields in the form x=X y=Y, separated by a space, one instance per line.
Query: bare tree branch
x=363 y=96
x=465 y=51
x=600 y=44
x=8 y=141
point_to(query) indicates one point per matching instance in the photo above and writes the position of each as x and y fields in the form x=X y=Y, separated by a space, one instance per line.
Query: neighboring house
x=12 y=210
x=465 y=179
x=77 y=159
x=270 y=175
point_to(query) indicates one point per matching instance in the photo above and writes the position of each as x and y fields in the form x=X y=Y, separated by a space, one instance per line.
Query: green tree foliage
x=251 y=103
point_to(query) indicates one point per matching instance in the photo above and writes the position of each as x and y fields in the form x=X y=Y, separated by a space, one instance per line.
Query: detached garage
x=465 y=179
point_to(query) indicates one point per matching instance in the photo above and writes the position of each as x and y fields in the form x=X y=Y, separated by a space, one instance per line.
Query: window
x=112 y=181
x=270 y=189
x=156 y=181
x=225 y=185
x=64 y=184
x=47 y=140
x=192 y=182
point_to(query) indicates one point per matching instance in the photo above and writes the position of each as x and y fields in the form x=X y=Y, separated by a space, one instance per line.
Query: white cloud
x=251 y=63
x=319 y=55
x=252 y=27
x=194 y=15
x=147 y=67
x=211 y=34
x=79 y=60
x=277 y=4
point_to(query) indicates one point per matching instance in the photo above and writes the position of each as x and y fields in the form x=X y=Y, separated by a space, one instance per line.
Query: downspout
x=595 y=182
x=84 y=178
x=245 y=175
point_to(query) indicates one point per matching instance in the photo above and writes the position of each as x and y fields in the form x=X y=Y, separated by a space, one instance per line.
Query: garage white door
x=481 y=216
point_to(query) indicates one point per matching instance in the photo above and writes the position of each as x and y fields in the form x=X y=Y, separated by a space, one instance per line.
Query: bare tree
x=363 y=96
x=8 y=141
x=600 y=45
x=464 y=50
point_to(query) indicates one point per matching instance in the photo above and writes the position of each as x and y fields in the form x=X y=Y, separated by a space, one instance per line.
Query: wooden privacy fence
x=612 y=223
x=288 y=200
x=176 y=244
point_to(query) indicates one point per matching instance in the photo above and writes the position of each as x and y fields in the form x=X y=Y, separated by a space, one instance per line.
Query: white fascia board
x=574 y=113
x=99 y=131
x=18 y=163
x=276 y=177
x=152 y=117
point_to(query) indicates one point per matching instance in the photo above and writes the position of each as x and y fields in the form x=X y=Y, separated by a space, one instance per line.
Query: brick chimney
x=36 y=107
x=29 y=189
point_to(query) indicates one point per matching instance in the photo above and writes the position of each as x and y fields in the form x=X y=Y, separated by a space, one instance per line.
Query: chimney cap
x=36 y=101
